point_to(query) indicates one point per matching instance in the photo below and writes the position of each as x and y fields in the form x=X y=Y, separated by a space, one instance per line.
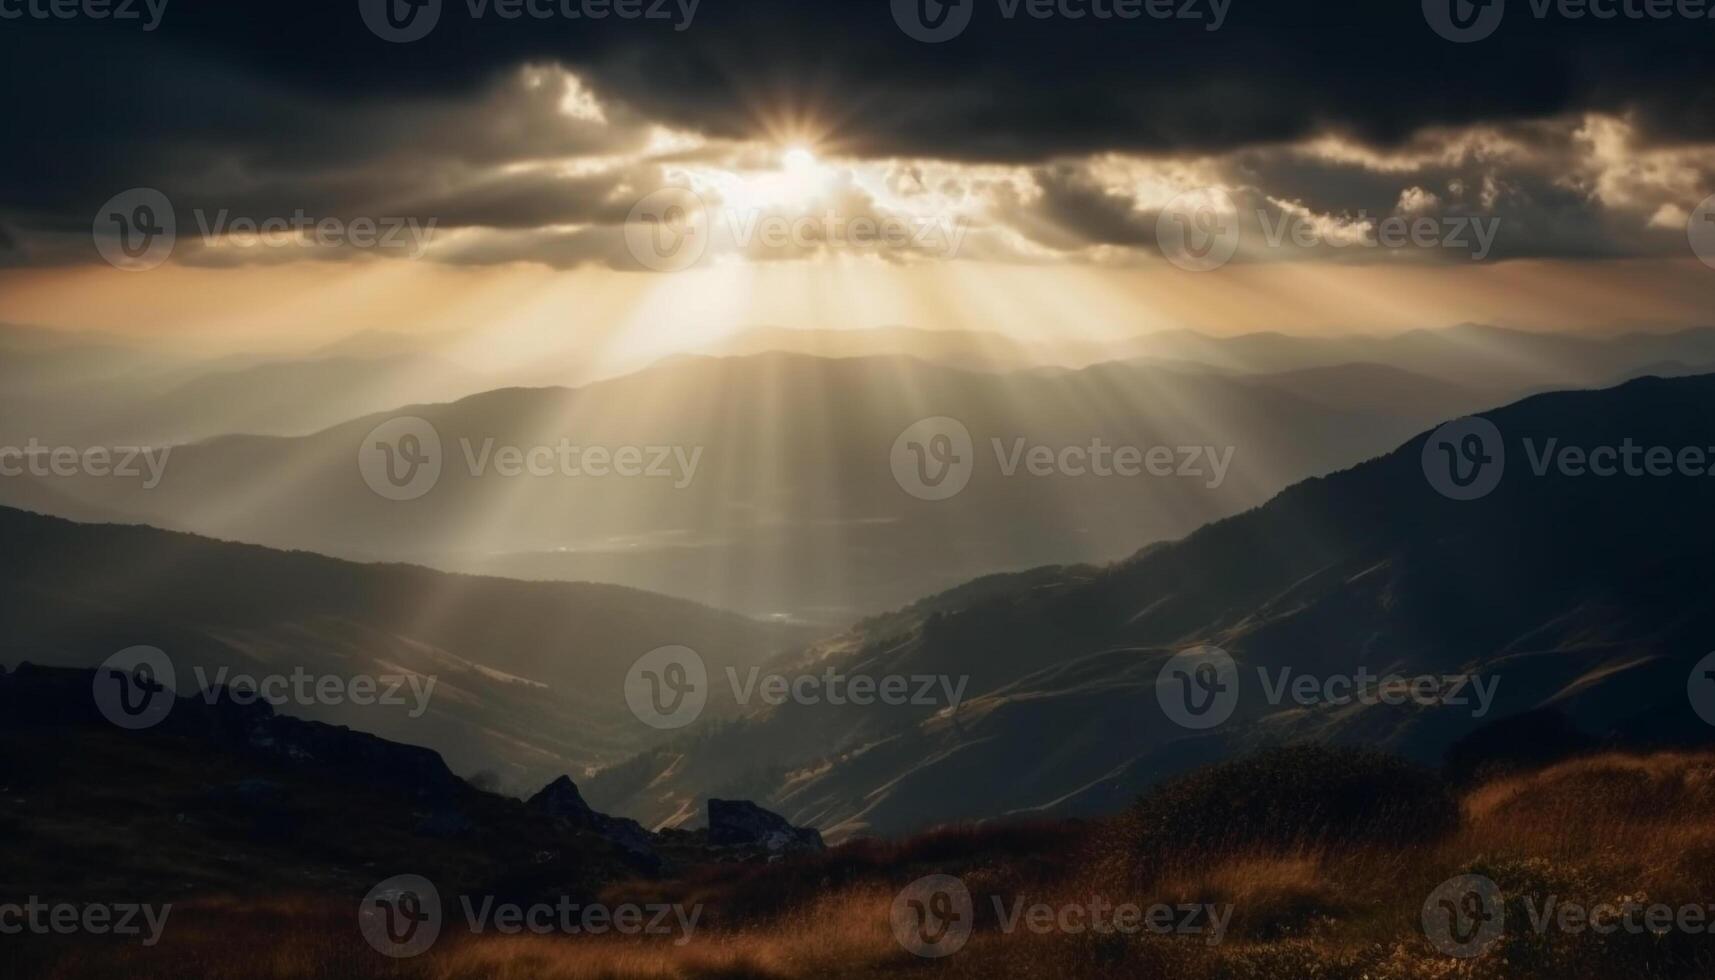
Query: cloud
x=1050 y=140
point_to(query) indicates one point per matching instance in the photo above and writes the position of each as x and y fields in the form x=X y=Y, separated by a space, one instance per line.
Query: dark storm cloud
x=1017 y=89
x=271 y=107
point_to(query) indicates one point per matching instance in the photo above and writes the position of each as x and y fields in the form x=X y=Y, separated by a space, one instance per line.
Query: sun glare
x=798 y=160
x=802 y=176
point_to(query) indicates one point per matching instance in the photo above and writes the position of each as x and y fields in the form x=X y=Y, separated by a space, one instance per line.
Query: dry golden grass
x=1589 y=830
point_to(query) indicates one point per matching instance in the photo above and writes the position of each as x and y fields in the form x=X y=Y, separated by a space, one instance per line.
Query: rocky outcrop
x=35 y=695
x=739 y=823
x=561 y=800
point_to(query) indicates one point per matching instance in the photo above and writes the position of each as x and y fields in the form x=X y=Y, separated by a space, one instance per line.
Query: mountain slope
x=529 y=676
x=794 y=505
x=1583 y=594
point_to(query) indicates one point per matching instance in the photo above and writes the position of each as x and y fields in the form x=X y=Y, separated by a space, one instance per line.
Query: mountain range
x=1576 y=594
x=776 y=487
x=1056 y=669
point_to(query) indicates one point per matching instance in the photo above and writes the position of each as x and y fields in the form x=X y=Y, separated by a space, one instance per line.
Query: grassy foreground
x=1341 y=901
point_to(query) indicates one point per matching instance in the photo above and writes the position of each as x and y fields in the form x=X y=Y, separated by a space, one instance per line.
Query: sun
x=798 y=160
x=802 y=176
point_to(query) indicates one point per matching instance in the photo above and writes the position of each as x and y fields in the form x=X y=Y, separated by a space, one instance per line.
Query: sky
x=674 y=170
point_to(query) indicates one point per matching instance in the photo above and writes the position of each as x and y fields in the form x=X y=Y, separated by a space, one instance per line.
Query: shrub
x=1296 y=798
x=1531 y=740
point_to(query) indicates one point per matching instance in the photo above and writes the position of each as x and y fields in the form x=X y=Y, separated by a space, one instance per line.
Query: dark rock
x=561 y=800
x=443 y=824
x=258 y=792
x=261 y=807
x=33 y=696
x=358 y=756
x=740 y=823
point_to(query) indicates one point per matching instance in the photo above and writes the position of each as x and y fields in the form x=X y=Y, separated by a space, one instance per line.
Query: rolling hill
x=529 y=676
x=794 y=506
x=1580 y=594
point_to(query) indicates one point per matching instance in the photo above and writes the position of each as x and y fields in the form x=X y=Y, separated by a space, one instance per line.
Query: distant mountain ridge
x=1472 y=354
x=795 y=506
x=1580 y=594
x=794 y=511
